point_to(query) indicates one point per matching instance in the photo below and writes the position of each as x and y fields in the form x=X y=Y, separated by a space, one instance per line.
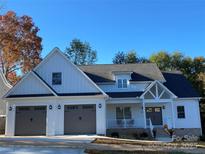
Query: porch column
x=10 y=119
x=144 y=114
x=51 y=120
x=101 y=117
x=173 y=115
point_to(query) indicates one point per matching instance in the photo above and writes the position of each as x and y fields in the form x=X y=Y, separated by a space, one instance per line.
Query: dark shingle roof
x=179 y=85
x=141 y=72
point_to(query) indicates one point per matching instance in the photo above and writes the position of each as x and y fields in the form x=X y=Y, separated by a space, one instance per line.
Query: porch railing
x=151 y=127
x=121 y=123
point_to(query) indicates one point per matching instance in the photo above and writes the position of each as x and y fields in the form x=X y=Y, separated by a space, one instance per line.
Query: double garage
x=78 y=119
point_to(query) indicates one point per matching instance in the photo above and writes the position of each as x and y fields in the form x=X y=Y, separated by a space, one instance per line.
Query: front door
x=155 y=113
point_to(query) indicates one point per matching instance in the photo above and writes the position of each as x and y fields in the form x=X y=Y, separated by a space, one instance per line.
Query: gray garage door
x=80 y=119
x=30 y=120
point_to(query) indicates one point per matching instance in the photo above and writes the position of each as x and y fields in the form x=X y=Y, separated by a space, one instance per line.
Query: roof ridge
x=117 y=64
x=173 y=71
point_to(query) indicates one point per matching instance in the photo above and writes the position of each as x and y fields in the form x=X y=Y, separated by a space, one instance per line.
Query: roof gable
x=30 y=85
x=73 y=79
x=157 y=90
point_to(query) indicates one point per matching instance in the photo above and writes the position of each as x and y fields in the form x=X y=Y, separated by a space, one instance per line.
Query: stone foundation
x=187 y=131
x=186 y=134
x=131 y=133
x=180 y=134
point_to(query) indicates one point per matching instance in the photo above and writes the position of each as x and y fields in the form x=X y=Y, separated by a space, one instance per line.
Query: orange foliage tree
x=20 y=46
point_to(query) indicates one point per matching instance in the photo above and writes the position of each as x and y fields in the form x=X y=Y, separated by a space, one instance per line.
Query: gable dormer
x=122 y=79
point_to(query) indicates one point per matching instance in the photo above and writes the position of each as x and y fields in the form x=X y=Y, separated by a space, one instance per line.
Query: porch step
x=160 y=133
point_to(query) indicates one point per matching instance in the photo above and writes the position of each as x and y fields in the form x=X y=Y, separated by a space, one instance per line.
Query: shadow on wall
x=2 y=125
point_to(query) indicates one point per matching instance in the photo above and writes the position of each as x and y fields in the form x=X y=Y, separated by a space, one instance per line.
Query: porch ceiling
x=124 y=94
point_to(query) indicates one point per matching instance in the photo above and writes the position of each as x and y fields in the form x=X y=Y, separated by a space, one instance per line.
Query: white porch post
x=144 y=114
x=10 y=119
x=51 y=120
x=101 y=117
x=173 y=115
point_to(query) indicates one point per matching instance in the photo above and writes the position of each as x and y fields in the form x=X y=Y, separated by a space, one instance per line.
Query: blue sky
x=146 y=26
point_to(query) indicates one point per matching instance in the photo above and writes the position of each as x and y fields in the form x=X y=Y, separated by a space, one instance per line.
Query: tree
x=81 y=53
x=192 y=68
x=128 y=58
x=120 y=58
x=176 y=59
x=20 y=46
x=162 y=59
x=131 y=57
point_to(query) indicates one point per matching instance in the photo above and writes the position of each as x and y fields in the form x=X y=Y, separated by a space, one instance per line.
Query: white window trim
x=121 y=80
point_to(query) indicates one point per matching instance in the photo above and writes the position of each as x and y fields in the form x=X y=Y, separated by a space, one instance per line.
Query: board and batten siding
x=30 y=85
x=192 y=114
x=55 y=116
x=130 y=88
x=73 y=81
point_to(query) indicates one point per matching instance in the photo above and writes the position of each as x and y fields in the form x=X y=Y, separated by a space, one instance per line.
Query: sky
x=146 y=26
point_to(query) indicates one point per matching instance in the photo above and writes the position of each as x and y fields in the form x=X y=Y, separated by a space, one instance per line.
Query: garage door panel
x=30 y=120
x=80 y=119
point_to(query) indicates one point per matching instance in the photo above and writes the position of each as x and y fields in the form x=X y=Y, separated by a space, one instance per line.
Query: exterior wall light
x=100 y=105
x=163 y=107
x=10 y=108
x=59 y=106
x=50 y=107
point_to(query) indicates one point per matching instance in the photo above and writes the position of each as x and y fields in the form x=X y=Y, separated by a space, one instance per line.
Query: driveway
x=39 y=150
x=54 y=139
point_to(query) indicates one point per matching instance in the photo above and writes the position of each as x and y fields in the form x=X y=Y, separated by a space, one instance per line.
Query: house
x=58 y=97
x=4 y=87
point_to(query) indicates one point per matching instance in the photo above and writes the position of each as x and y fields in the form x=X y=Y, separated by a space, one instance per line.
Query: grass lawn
x=143 y=143
x=130 y=152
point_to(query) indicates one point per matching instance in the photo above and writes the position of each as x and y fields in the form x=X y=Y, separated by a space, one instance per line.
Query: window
x=56 y=78
x=123 y=113
x=122 y=83
x=88 y=106
x=127 y=113
x=119 y=82
x=119 y=113
x=180 y=112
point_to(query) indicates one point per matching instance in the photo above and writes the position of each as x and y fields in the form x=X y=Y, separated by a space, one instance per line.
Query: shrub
x=144 y=135
x=136 y=136
x=115 y=134
x=202 y=138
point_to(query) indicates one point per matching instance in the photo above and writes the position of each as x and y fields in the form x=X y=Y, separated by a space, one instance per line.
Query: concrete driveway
x=39 y=150
x=52 y=139
x=71 y=144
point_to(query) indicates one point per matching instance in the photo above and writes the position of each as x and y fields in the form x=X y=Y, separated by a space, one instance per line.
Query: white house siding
x=136 y=109
x=192 y=114
x=137 y=86
x=73 y=81
x=30 y=85
x=55 y=117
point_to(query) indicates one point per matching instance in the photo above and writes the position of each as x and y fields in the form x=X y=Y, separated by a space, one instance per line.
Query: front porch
x=137 y=116
x=153 y=109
